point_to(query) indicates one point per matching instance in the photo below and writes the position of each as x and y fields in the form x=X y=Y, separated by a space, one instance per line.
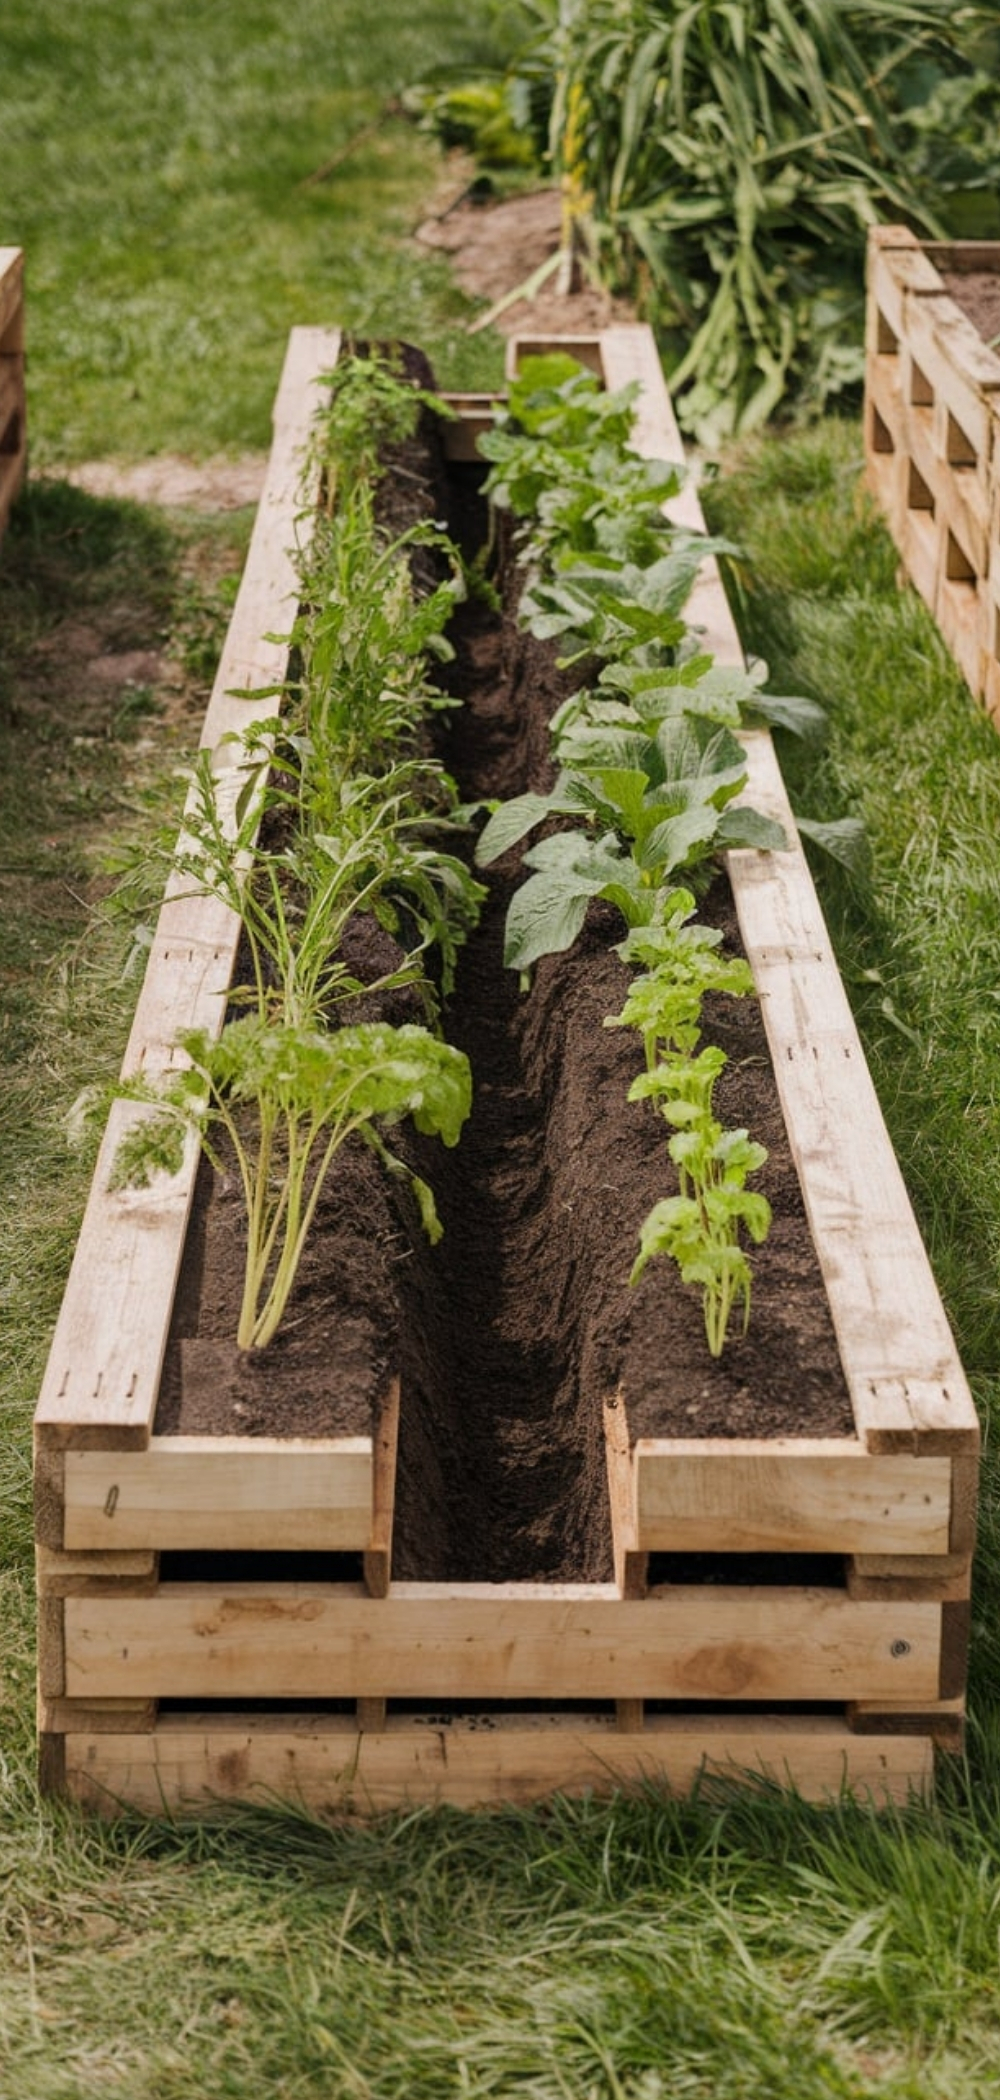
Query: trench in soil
x=511 y=1333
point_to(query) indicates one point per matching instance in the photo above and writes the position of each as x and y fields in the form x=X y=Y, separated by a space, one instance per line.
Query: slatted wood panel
x=191 y=1762
x=932 y=439
x=900 y=1496
x=508 y=1641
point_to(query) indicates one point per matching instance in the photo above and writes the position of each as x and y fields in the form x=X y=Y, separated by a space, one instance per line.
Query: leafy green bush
x=727 y=159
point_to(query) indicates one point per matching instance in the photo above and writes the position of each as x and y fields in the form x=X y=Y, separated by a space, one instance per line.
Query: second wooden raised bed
x=932 y=432
x=824 y=1647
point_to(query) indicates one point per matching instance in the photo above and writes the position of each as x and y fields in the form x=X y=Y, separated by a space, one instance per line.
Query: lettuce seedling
x=699 y=1228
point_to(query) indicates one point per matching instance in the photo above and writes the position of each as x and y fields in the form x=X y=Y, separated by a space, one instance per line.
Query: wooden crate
x=13 y=439
x=832 y=1655
x=932 y=440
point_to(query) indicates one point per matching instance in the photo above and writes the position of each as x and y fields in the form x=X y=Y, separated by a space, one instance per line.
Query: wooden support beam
x=510 y=1641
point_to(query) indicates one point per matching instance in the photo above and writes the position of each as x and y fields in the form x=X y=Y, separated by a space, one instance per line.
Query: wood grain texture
x=818 y=1496
x=506 y=1641
x=224 y=1494
x=194 y=1762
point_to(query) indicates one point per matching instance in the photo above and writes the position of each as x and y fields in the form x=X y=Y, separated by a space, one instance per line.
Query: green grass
x=744 y=1948
x=156 y=172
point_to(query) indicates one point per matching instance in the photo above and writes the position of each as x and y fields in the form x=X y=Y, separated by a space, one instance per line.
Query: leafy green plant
x=699 y=1228
x=683 y=964
x=288 y=1097
x=733 y=156
x=326 y=811
x=370 y=406
x=649 y=776
x=659 y=803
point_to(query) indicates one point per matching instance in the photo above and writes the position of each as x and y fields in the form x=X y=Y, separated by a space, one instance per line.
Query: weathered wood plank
x=256 y=1494
x=378 y=1557
x=103 y=1372
x=192 y=1762
x=788 y=1495
x=83 y=1574
x=631 y=1564
x=11 y=296
x=304 y=1640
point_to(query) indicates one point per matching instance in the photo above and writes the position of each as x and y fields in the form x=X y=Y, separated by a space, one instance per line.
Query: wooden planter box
x=932 y=437
x=366 y=1692
x=13 y=440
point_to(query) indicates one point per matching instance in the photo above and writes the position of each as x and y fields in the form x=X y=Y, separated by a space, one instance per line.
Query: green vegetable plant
x=650 y=781
x=288 y=1098
x=327 y=810
x=699 y=1228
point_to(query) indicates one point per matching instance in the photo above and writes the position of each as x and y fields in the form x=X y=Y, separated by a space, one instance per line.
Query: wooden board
x=192 y=1762
x=224 y=1494
x=510 y=1641
x=788 y=1495
x=932 y=439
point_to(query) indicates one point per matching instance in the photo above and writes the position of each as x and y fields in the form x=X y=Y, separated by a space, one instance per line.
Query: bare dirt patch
x=496 y=247
x=176 y=483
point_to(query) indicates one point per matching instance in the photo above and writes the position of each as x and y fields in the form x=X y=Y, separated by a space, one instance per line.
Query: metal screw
x=900 y=1648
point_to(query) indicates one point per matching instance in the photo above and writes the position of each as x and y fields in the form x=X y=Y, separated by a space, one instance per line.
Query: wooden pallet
x=932 y=440
x=13 y=437
x=159 y=1685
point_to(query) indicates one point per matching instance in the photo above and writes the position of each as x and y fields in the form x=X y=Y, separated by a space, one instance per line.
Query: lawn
x=642 y=1949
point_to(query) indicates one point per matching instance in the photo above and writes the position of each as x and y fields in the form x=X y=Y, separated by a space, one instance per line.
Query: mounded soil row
x=510 y=1333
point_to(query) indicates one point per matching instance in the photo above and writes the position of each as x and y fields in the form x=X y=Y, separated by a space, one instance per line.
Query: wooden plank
x=631 y=1565
x=103 y=1373
x=943 y=1721
x=897 y=268
x=923 y=1415
x=891 y=1326
x=51 y=1647
x=11 y=293
x=964 y=1504
x=223 y=1494
x=956 y=1628
x=941 y=1578
x=473 y=414
x=302 y=1640
x=378 y=1557
x=83 y=1574
x=97 y=1716
x=795 y=1495
x=193 y=1762
x=11 y=391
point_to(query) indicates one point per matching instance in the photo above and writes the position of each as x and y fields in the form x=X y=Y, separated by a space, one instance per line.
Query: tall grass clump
x=720 y=165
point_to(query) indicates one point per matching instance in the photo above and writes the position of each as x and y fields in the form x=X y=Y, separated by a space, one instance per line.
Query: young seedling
x=700 y=1227
x=288 y=1098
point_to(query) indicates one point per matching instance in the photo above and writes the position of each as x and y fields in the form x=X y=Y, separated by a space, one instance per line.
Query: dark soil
x=512 y=1332
x=977 y=292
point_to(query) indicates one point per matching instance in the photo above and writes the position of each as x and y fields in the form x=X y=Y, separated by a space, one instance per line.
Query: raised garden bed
x=13 y=440
x=932 y=432
x=534 y=1538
